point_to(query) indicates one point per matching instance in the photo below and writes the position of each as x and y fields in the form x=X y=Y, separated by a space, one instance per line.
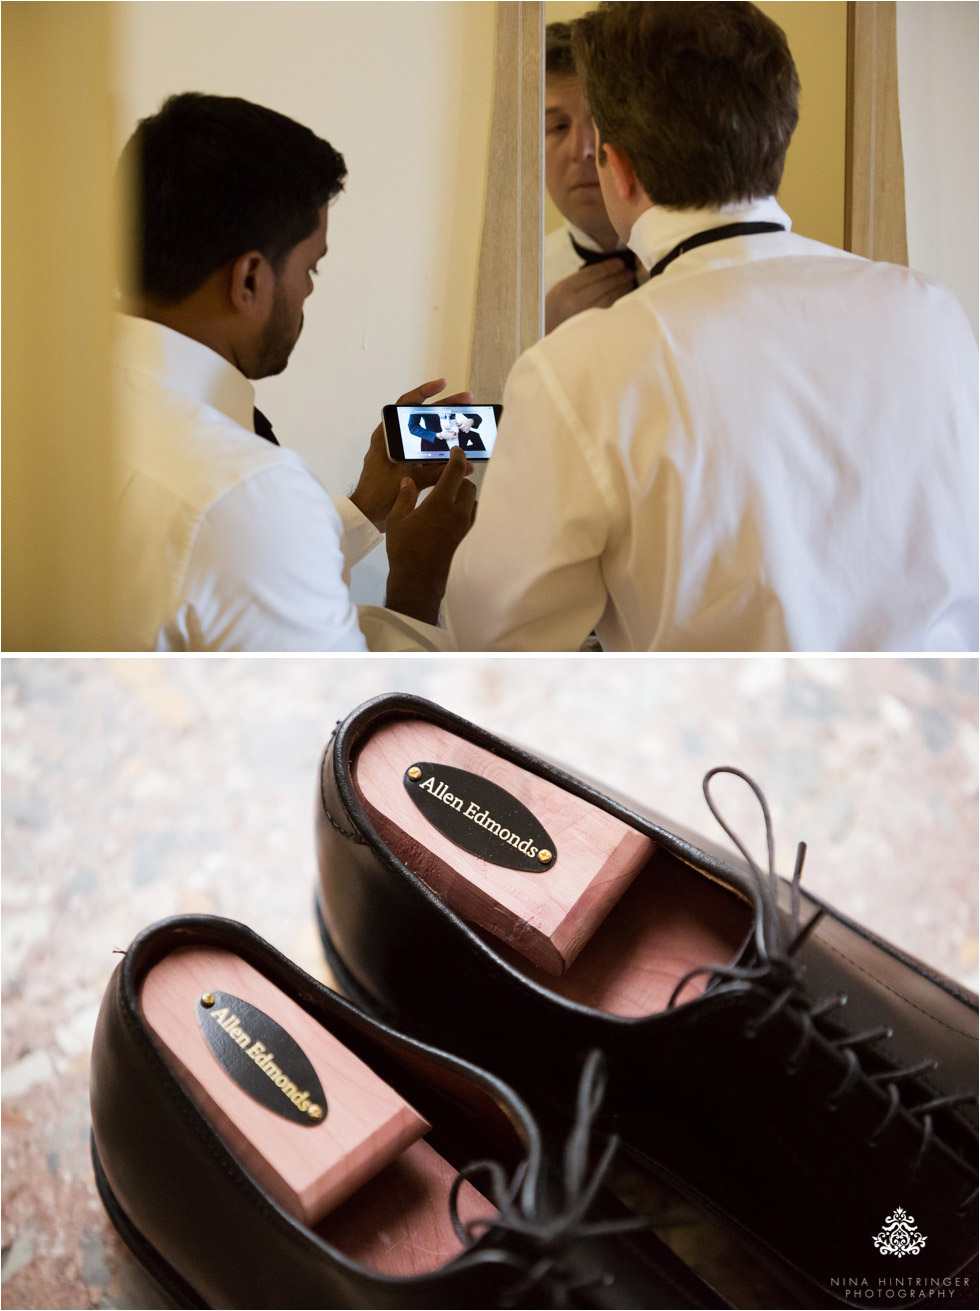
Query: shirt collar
x=187 y=367
x=657 y=231
x=584 y=240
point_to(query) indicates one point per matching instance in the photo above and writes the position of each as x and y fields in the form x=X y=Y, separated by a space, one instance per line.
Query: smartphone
x=429 y=432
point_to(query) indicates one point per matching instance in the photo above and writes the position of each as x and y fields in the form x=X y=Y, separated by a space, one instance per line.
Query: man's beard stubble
x=277 y=340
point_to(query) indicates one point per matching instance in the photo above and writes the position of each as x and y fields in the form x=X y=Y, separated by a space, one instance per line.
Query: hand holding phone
x=378 y=484
x=422 y=539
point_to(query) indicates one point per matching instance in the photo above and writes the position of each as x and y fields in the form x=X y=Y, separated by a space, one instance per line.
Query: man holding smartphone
x=227 y=541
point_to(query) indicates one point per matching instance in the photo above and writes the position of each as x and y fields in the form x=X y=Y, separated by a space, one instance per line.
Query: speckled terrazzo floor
x=137 y=788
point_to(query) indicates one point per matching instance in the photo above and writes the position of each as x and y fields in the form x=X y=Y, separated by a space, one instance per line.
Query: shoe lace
x=779 y=970
x=548 y=1230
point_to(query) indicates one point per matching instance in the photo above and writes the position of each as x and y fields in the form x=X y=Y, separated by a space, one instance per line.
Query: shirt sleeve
x=528 y=576
x=266 y=570
x=387 y=630
x=359 y=536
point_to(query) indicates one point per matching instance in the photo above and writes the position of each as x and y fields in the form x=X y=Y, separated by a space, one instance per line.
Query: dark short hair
x=215 y=177
x=558 y=58
x=702 y=98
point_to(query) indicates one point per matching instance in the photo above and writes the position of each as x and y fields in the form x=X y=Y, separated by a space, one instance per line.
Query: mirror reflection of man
x=769 y=445
x=441 y=432
x=227 y=540
x=586 y=266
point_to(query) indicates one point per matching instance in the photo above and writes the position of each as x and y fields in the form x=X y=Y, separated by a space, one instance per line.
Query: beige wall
x=813 y=184
x=403 y=91
x=57 y=286
x=937 y=92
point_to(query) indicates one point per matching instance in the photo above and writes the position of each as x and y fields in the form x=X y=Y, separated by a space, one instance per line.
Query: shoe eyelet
x=831 y=1106
x=790 y=1070
x=750 y=1032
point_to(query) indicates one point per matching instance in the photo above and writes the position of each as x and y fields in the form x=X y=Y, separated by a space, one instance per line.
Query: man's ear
x=625 y=182
x=252 y=283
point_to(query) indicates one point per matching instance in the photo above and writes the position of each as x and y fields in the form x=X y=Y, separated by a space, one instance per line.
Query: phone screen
x=429 y=432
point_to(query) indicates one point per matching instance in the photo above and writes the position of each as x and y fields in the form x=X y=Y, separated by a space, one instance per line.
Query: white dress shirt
x=228 y=542
x=772 y=445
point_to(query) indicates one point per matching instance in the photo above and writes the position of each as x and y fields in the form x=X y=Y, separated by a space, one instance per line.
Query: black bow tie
x=599 y=256
x=263 y=428
x=710 y=235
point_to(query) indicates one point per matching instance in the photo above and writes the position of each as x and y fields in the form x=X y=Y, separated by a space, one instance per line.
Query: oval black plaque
x=481 y=817
x=262 y=1058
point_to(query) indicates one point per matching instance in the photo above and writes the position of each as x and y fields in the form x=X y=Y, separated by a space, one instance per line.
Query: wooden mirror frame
x=874 y=183
x=509 y=313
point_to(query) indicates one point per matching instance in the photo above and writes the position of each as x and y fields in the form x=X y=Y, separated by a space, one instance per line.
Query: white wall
x=403 y=90
x=937 y=92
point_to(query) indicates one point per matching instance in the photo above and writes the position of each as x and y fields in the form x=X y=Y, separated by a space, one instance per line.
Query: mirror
x=812 y=191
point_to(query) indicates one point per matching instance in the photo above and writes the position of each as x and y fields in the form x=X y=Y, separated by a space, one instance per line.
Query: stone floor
x=137 y=788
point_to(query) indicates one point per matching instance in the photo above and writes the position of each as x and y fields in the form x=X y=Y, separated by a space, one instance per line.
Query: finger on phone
x=458 y=398
x=419 y=394
x=452 y=476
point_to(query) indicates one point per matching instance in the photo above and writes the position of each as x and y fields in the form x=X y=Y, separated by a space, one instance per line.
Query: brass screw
x=545 y=857
x=207 y=999
x=415 y=772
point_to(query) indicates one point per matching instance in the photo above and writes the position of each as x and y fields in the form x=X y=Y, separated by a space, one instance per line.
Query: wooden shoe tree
x=546 y=912
x=614 y=926
x=669 y=920
x=358 y=1173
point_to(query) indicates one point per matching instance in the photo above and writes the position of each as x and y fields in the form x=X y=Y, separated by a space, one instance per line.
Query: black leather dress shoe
x=206 y=1229
x=807 y=1082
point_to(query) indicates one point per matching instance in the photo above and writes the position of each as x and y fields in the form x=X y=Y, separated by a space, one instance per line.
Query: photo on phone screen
x=429 y=432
